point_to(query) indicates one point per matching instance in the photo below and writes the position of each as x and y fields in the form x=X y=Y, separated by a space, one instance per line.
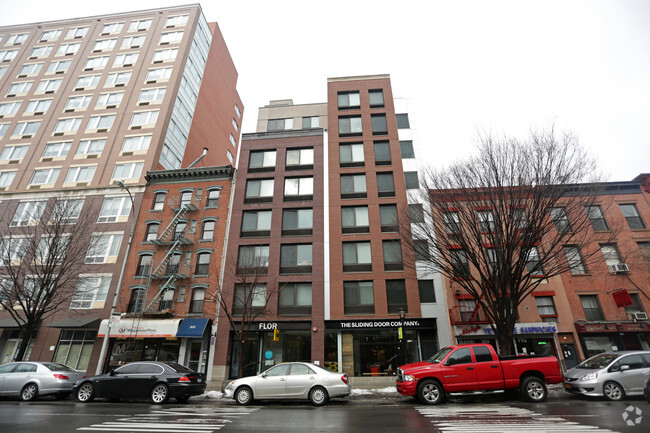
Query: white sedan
x=292 y=380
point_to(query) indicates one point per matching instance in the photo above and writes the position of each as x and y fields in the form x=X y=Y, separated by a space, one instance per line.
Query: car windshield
x=435 y=359
x=57 y=367
x=179 y=368
x=599 y=361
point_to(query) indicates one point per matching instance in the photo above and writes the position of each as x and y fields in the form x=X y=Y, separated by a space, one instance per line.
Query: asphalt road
x=357 y=415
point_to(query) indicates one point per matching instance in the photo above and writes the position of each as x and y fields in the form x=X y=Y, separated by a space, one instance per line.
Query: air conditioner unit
x=620 y=268
x=640 y=316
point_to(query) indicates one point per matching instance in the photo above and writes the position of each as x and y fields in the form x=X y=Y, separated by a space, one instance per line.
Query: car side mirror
x=111 y=373
x=625 y=367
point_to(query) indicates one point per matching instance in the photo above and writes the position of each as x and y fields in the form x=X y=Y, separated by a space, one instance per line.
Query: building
x=87 y=102
x=320 y=193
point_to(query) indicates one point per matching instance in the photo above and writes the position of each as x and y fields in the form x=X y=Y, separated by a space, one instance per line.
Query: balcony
x=464 y=317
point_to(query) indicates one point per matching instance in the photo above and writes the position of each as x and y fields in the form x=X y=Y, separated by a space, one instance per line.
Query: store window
x=74 y=348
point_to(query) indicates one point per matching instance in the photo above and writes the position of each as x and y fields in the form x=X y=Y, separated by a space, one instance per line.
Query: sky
x=464 y=66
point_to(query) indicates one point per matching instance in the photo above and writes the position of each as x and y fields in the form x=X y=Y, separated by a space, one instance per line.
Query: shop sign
x=622 y=298
x=380 y=324
x=633 y=327
x=597 y=327
x=271 y=326
x=520 y=328
x=143 y=328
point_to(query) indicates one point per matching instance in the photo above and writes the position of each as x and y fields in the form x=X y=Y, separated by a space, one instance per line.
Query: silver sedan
x=613 y=375
x=293 y=380
x=30 y=379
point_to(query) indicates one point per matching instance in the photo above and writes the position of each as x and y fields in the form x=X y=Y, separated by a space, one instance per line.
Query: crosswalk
x=174 y=420
x=500 y=418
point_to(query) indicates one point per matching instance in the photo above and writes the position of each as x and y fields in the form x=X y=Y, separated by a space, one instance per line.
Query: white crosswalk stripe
x=499 y=418
x=174 y=420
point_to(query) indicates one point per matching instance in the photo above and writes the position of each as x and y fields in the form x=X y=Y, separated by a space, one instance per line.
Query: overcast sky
x=464 y=66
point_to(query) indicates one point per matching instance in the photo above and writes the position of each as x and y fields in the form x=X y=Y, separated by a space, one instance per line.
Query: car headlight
x=590 y=376
x=231 y=385
x=409 y=378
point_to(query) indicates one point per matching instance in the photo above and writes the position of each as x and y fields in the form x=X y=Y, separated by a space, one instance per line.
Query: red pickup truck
x=474 y=368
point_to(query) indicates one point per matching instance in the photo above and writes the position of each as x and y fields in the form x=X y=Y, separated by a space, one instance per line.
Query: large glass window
x=392 y=255
x=104 y=248
x=296 y=221
x=376 y=97
x=249 y=298
x=44 y=176
x=296 y=259
x=113 y=208
x=91 y=292
x=354 y=219
x=385 y=185
x=357 y=257
x=388 y=217
x=300 y=158
x=351 y=154
x=396 y=296
x=295 y=299
x=359 y=297
x=253 y=259
x=259 y=190
x=382 y=153
x=353 y=186
x=350 y=125
x=379 y=125
x=299 y=188
x=256 y=223
x=28 y=213
x=279 y=124
x=349 y=100
x=74 y=348
x=13 y=153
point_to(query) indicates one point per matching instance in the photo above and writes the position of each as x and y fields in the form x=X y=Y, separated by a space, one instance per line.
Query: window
x=385 y=185
x=357 y=257
x=100 y=122
x=235 y=124
x=351 y=154
x=632 y=216
x=295 y=299
x=379 y=125
x=87 y=82
x=3 y=70
x=402 y=121
x=636 y=306
x=411 y=180
x=354 y=219
x=89 y=292
x=561 y=220
x=19 y=88
x=179 y=230
x=27 y=128
x=467 y=308
x=70 y=125
x=359 y=297
x=406 y=148
x=460 y=356
x=376 y=98
x=112 y=28
x=136 y=302
x=233 y=141
x=591 y=307
x=91 y=147
x=171 y=37
x=3 y=129
x=40 y=52
x=151 y=95
x=416 y=213
x=212 y=199
x=421 y=249
x=136 y=143
x=253 y=258
x=396 y=296
x=28 y=213
x=178 y=20
x=262 y=160
x=259 y=190
x=30 y=69
x=114 y=209
x=296 y=259
x=96 y=62
x=486 y=221
x=349 y=100
x=203 y=262
x=610 y=254
x=74 y=348
x=296 y=221
x=237 y=111
x=162 y=55
x=300 y=158
x=81 y=174
x=109 y=100
x=159 y=74
x=67 y=49
x=207 y=232
x=299 y=188
x=353 y=186
x=174 y=262
x=67 y=211
x=6 y=177
x=196 y=305
x=388 y=217
x=159 y=201
x=16 y=39
x=350 y=125
x=574 y=259
x=13 y=249
x=104 y=248
x=460 y=264
x=76 y=32
x=133 y=41
x=279 y=124
x=392 y=255
x=382 y=153
x=310 y=122
x=595 y=215
x=533 y=264
x=144 y=118
x=230 y=157
x=75 y=102
x=482 y=354
x=427 y=291
x=519 y=218
x=118 y=79
x=139 y=25
x=129 y=170
x=166 y=300
x=249 y=298
x=546 y=308
x=127 y=59
x=44 y=176
x=152 y=232
x=7 y=55
x=13 y=153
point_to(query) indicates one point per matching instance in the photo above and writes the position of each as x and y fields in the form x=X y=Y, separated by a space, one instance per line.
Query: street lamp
x=102 y=353
x=402 y=314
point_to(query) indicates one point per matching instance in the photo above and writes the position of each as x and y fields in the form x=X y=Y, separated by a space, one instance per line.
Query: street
x=372 y=414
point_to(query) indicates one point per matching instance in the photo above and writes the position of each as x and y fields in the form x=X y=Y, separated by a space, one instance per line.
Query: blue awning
x=192 y=328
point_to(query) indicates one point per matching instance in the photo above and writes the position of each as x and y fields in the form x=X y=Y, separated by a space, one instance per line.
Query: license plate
x=567 y=386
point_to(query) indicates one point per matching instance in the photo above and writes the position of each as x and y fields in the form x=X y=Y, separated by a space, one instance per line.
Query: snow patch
x=210 y=395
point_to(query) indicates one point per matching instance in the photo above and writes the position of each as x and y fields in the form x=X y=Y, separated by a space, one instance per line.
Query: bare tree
x=42 y=249
x=509 y=217
x=244 y=296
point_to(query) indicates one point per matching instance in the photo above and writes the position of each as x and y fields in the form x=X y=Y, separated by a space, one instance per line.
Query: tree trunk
x=240 y=364
x=24 y=344
x=504 y=339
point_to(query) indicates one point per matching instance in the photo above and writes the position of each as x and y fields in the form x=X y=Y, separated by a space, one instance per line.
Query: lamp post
x=400 y=334
x=102 y=353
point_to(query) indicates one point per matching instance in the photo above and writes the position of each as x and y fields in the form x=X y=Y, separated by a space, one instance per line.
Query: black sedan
x=156 y=381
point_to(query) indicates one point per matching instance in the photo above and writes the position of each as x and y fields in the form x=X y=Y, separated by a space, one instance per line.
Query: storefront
x=596 y=338
x=377 y=347
x=529 y=338
x=266 y=347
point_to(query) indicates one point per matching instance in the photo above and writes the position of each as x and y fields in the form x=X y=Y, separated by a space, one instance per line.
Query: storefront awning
x=76 y=322
x=8 y=323
x=140 y=328
x=192 y=328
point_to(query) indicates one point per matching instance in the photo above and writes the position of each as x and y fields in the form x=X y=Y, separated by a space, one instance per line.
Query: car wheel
x=244 y=395
x=182 y=398
x=86 y=392
x=29 y=392
x=533 y=389
x=160 y=394
x=318 y=396
x=431 y=392
x=613 y=391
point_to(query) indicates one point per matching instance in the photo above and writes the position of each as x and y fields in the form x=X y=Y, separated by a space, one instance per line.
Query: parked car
x=30 y=379
x=292 y=380
x=157 y=381
x=612 y=374
x=472 y=368
x=646 y=390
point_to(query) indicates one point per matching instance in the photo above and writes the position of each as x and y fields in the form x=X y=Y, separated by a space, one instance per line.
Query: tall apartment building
x=320 y=193
x=87 y=102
